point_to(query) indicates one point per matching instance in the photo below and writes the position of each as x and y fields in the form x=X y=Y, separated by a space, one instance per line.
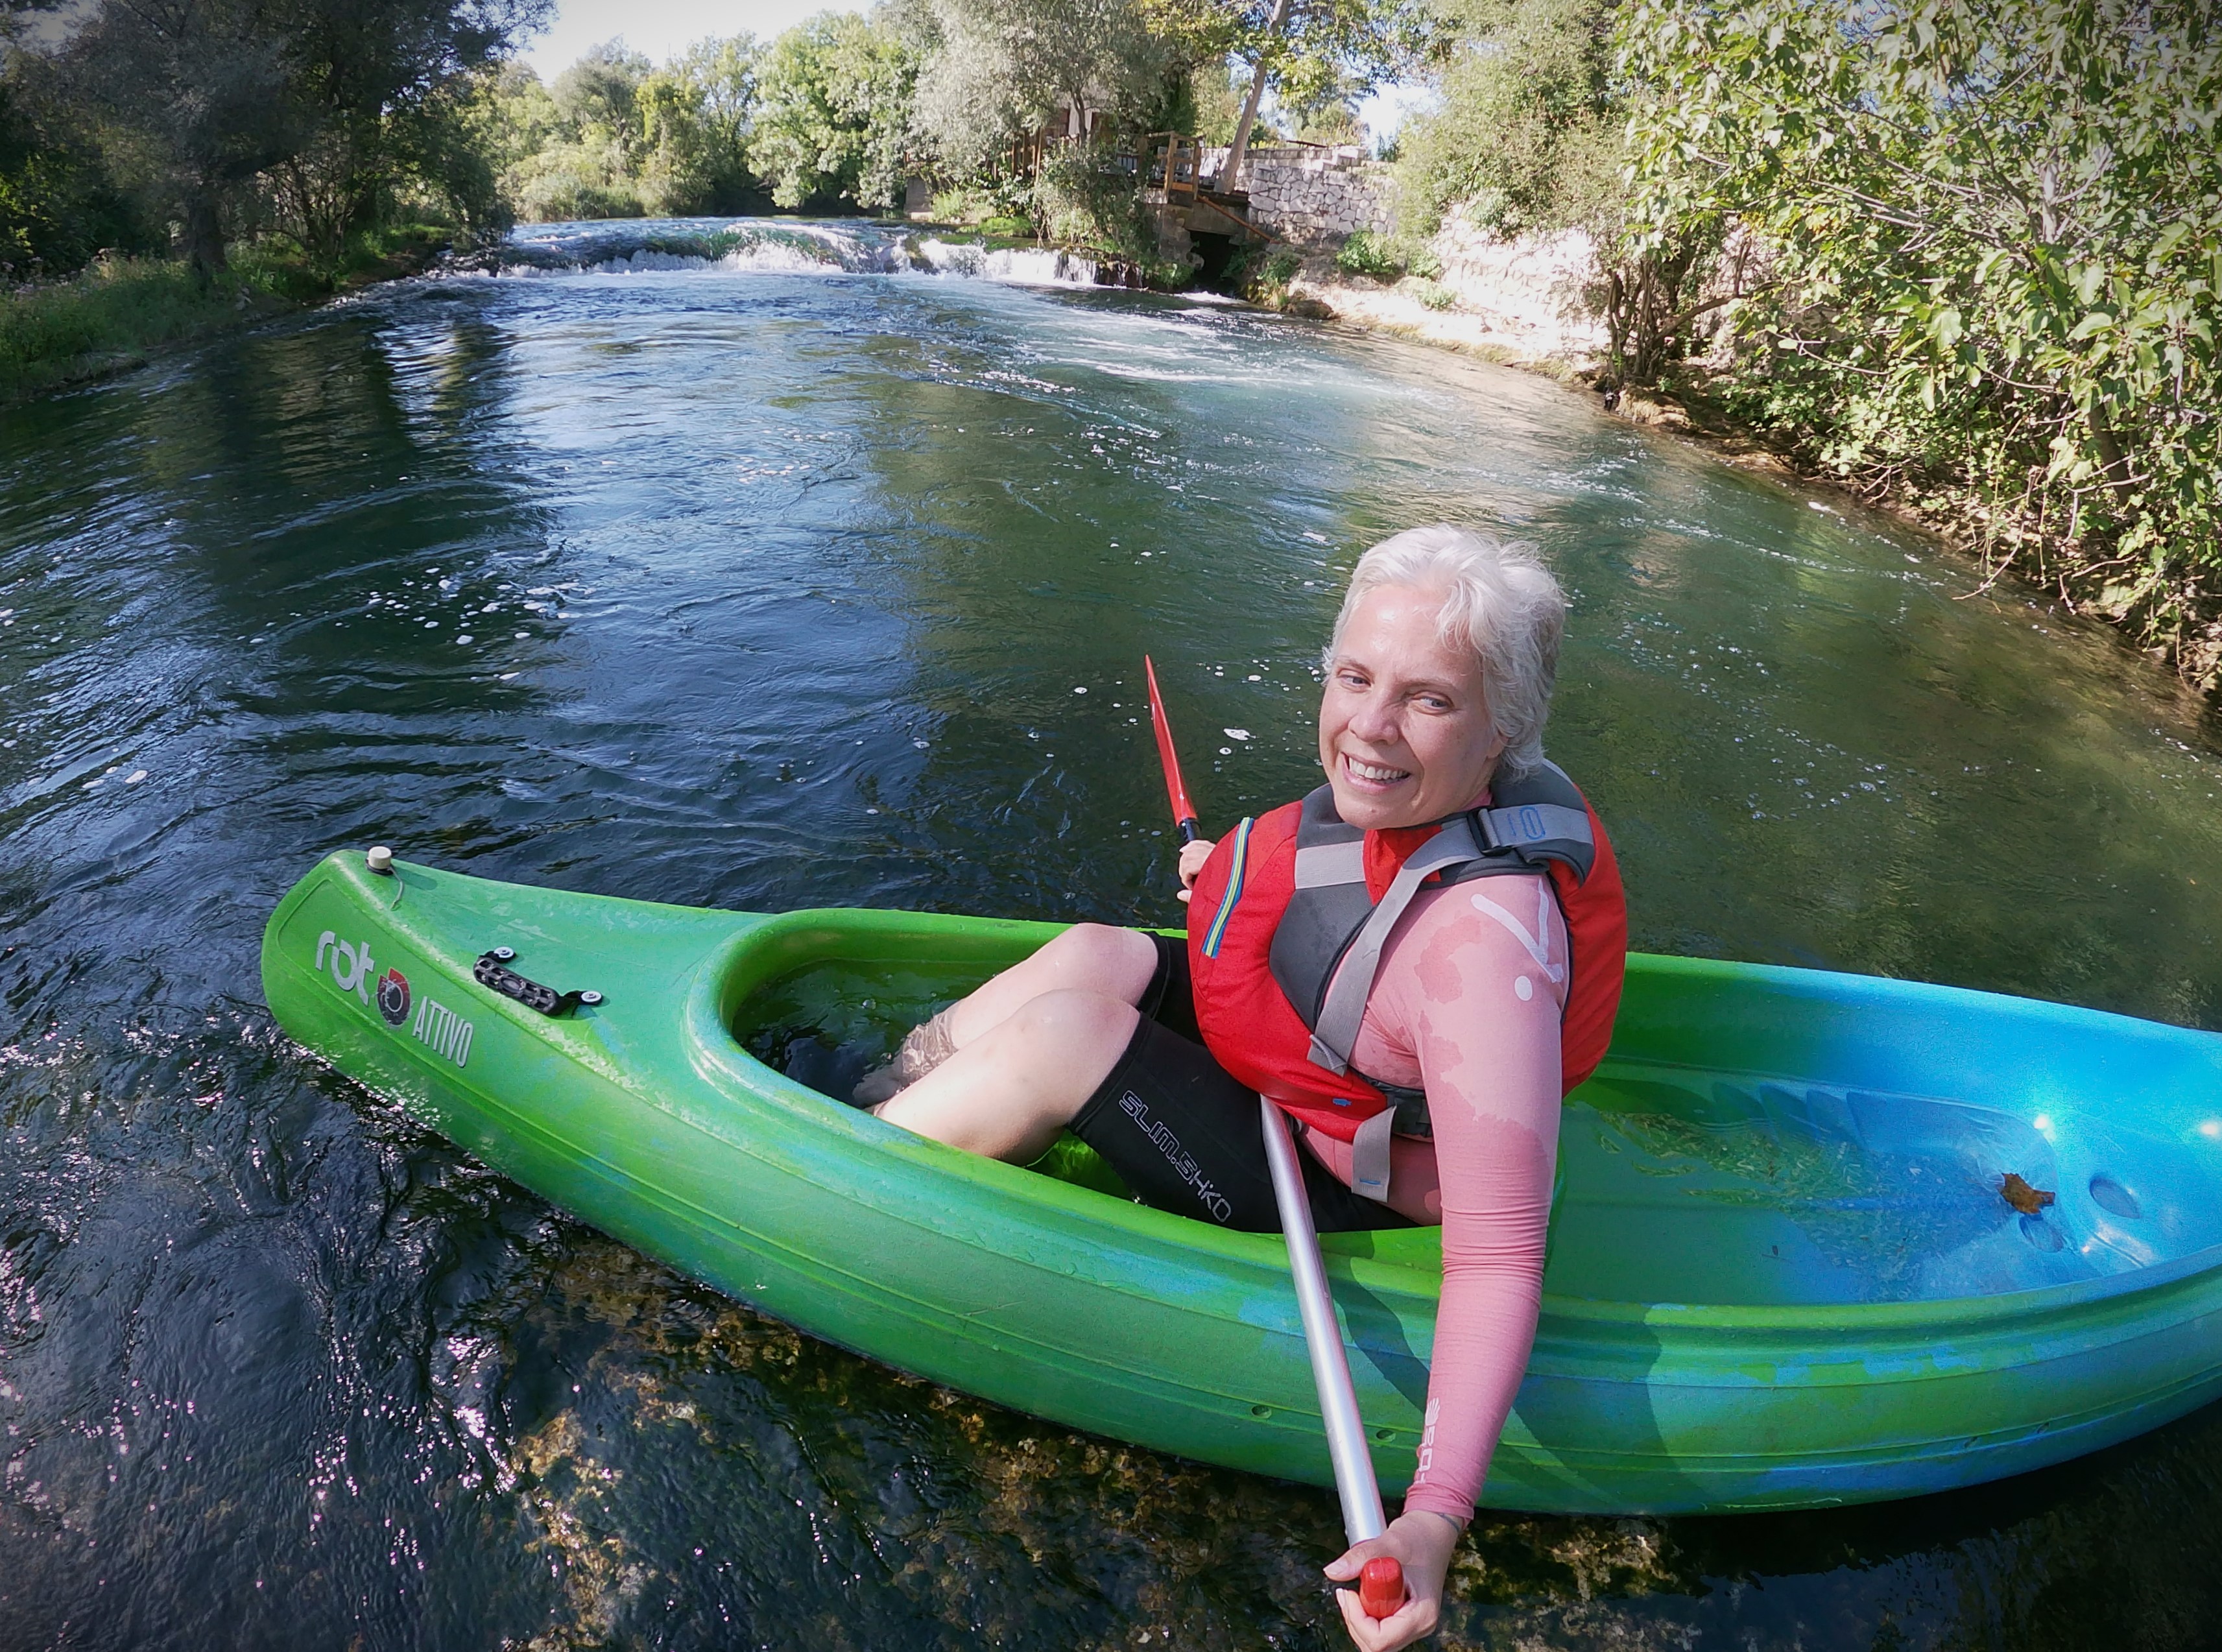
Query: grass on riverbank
x=113 y=315
x=110 y=316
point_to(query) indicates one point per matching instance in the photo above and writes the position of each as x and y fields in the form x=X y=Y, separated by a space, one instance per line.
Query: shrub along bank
x=118 y=310
x=1963 y=256
x=1983 y=272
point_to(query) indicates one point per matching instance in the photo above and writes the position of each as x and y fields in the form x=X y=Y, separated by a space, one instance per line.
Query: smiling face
x=1405 y=733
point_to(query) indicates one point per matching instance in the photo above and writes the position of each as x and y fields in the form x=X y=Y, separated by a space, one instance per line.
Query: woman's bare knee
x=1087 y=957
x=1104 y=958
x=1075 y=1024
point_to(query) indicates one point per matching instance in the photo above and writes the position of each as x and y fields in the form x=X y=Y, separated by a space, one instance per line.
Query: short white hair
x=1499 y=602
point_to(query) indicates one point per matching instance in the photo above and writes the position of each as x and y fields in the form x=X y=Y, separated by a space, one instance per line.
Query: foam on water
x=726 y=246
x=1028 y=265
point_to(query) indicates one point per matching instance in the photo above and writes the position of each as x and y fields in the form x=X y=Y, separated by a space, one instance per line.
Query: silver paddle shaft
x=1346 y=1432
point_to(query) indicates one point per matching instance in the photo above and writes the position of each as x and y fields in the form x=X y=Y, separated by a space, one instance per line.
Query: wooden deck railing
x=1175 y=164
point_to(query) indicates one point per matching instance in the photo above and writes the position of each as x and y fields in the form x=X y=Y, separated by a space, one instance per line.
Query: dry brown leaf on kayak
x=2020 y=1194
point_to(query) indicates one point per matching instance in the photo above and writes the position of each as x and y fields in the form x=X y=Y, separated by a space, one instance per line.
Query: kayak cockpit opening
x=843 y=988
x=1880 y=1174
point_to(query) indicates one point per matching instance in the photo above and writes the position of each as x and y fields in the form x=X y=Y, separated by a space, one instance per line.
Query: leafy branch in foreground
x=1995 y=233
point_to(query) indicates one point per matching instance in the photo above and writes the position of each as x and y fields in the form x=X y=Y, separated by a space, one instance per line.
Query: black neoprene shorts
x=1185 y=1135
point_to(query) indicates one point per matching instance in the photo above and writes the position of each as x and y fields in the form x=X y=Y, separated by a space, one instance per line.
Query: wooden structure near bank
x=1191 y=215
x=1191 y=212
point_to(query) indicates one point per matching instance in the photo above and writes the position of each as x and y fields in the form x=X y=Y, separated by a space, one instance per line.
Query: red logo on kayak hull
x=393 y=997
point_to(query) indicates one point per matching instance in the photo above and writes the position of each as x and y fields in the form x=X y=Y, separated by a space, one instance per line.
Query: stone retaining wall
x=1309 y=194
x=1529 y=286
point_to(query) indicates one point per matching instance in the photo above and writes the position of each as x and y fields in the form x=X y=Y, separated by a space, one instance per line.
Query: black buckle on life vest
x=1410 y=1107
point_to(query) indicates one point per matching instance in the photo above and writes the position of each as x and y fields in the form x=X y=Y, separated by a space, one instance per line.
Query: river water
x=776 y=570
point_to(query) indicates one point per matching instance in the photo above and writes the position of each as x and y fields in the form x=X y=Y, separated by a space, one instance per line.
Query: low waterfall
x=627 y=247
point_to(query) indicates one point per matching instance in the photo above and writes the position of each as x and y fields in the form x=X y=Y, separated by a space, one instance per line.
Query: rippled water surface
x=764 y=586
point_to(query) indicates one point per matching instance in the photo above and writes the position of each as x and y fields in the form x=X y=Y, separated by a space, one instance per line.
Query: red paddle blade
x=1176 y=789
x=1381 y=1587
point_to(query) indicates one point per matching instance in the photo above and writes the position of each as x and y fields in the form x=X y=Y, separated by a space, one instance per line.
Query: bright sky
x=662 y=28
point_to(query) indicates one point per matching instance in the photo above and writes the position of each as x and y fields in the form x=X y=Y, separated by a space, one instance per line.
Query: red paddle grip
x=1381 y=1587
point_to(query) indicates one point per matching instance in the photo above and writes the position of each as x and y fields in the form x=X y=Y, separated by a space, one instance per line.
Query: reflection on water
x=766 y=588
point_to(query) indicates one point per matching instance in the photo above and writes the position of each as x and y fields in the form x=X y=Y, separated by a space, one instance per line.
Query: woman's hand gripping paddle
x=1381 y=1585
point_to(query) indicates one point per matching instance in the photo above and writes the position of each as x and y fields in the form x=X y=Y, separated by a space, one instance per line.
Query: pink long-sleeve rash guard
x=1467 y=1006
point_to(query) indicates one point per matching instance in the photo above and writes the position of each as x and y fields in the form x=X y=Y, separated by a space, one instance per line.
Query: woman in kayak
x=1443 y=919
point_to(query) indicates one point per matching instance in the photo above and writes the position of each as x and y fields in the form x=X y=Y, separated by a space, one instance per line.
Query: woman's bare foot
x=926 y=1046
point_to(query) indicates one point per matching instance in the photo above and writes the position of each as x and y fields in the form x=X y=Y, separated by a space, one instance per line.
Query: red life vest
x=1269 y=944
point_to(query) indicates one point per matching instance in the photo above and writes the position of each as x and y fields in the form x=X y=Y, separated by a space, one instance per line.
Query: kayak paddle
x=1381 y=1582
x=1184 y=816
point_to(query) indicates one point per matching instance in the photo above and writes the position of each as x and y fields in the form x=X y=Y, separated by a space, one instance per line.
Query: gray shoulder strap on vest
x=1536 y=817
x=1336 y=1031
x=1329 y=904
x=1336 y=1034
x=1327 y=951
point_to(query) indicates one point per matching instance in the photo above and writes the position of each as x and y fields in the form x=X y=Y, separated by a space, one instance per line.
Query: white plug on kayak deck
x=380 y=860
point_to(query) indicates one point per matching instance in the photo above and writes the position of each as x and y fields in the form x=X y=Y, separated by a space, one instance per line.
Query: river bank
x=119 y=313
x=1519 y=303
x=112 y=318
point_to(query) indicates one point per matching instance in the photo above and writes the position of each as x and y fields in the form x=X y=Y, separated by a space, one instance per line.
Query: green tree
x=598 y=97
x=589 y=164
x=1212 y=103
x=1995 y=232
x=541 y=171
x=1528 y=133
x=58 y=205
x=188 y=99
x=833 y=106
x=618 y=138
x=383 y=86
x=696 y=115
x=1311 y=56
x=1529 y=138
x=326 y=109
x=510 y=117
x=997 y=68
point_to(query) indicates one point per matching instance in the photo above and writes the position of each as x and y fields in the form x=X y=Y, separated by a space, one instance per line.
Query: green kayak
x=1822 y=1238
